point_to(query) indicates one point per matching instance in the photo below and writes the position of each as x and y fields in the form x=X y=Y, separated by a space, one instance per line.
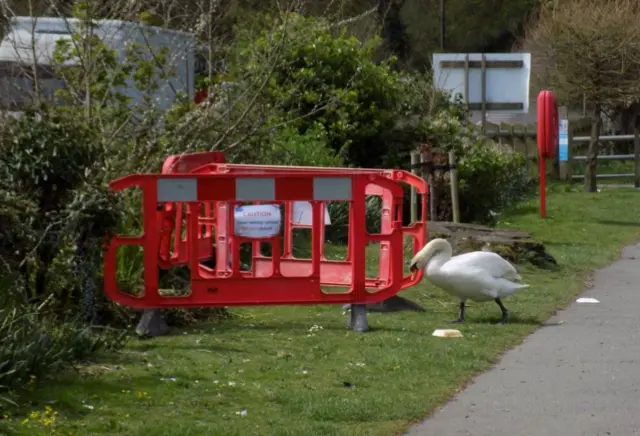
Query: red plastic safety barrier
x=169 y=214
x=275 y=279
x=335 y=272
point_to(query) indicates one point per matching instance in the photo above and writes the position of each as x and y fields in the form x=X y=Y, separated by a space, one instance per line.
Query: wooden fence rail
x=524 y=137
x=577 y=140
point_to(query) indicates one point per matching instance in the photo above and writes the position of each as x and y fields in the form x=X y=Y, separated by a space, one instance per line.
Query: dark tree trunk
x=590 y=181
x=626 y=119
x=394 y=30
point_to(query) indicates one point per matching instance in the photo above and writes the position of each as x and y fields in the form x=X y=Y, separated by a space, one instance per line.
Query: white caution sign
x=258 y=221
x=303 y=213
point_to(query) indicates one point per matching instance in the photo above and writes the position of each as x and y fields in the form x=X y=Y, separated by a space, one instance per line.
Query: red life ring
x=548 y=129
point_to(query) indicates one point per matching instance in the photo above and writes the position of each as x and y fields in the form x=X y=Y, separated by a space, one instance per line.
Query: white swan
x=477 y=276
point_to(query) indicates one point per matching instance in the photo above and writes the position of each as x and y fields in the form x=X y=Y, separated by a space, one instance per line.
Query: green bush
x=287 y=146
x=318 y=74
x=46 y=164
x=36 y=345
x=491 y=179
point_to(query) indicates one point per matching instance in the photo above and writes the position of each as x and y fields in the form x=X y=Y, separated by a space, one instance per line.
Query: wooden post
x=512 y=136
x=466 y=78
x=483 y=64
x=426 y=157
x=453 y=180
x=636 y=152
x=414 y=198
x=525 y=143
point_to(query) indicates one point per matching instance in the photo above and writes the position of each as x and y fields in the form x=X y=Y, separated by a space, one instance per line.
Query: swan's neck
x=436 y=262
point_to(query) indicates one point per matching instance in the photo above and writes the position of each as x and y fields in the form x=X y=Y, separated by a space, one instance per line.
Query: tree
x=393 y=28
x=324 y=75
x=590 y=48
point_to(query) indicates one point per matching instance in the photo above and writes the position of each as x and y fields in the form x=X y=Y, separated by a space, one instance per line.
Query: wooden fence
x=523 y=139
x=566 y=168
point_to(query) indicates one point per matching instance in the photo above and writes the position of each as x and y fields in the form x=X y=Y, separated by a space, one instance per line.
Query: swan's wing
x=471 y=282
x=491 y=263
x=477 y=282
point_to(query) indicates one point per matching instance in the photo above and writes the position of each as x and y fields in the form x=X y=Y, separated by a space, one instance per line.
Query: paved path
x=578 y=378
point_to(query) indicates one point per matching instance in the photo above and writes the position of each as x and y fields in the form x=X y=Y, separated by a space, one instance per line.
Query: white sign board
x=503 y=85
x=303 y=215
x=259 y=221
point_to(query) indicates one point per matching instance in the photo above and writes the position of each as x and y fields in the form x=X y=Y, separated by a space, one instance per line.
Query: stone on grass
x=514 y=245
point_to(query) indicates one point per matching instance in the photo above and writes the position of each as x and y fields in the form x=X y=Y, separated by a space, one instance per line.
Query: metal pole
x=443 y=25
x=483 y=89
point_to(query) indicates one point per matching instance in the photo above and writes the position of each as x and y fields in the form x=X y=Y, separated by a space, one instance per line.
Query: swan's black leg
x=460 y=314
x=505 y=312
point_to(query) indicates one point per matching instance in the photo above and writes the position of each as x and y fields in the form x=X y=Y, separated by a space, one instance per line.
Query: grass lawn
x=298 y=371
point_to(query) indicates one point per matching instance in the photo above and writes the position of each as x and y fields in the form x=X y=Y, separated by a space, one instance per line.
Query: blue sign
x=563 y=140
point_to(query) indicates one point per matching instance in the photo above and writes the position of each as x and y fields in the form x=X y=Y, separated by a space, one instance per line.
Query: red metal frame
x=287 y=279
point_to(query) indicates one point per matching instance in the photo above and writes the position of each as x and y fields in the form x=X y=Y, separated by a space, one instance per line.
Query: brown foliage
x=590 y=49
x=587 y=47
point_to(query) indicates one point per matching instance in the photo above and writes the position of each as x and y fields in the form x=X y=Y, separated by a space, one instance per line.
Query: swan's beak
x=414 y=269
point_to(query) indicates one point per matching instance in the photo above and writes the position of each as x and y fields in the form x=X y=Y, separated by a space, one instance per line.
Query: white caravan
x=29 y=44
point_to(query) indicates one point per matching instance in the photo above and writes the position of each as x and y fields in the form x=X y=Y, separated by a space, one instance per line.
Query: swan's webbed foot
x=460 y=319
x=505 y=312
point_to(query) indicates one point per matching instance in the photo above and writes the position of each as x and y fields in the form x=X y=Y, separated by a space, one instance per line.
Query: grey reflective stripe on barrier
x=332 y=188
x=177 y=189
x=249 y=189
x=254 y=189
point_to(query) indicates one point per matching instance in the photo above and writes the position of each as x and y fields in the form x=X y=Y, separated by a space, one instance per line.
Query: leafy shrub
x=287 y=146
x=320 y=75
x=46 y=163
x=35 y=345
x=491 y=179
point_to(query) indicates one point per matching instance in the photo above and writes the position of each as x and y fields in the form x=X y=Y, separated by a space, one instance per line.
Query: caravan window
x=17 y=85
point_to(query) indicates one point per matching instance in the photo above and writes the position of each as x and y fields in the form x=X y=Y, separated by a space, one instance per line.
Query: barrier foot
x=152 y=324
x=357 y=320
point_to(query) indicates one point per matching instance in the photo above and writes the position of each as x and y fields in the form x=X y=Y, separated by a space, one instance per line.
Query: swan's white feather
x=477 y=276
x=473 y=283
x=488 y=261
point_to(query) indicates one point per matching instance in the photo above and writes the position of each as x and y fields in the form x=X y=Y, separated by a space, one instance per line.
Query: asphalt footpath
x=577 y=376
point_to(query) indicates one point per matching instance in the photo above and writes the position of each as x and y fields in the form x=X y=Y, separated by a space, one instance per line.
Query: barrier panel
x=279 y=278
x=336 y=271
x=170 y=213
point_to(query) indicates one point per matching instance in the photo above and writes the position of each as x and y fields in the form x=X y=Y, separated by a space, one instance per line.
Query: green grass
x=298 y=371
